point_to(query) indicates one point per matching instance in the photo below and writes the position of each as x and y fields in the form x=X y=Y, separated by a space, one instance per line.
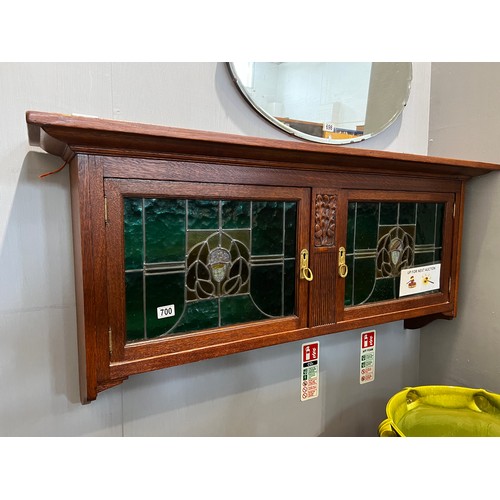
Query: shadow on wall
x=37 y=294
x=257 y=393
x=227 y=375
x=356 y=410
x=357 y=420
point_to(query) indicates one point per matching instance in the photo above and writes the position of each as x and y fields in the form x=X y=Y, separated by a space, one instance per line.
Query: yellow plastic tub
x=442 y=411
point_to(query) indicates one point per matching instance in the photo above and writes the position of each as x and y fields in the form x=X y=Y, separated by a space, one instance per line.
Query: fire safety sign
x=309 y=388
x=367 y=357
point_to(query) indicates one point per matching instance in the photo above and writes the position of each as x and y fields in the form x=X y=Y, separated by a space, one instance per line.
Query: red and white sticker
x=309 y=387
x=367 y=357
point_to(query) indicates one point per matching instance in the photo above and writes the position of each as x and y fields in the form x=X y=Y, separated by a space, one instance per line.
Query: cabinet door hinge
x=449 y=285
x=105 y=210
x=110 y=336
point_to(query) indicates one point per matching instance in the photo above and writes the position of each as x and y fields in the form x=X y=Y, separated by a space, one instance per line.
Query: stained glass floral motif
x=384 y=238
x=395 y=251
x=218 y=266
x=211 y=262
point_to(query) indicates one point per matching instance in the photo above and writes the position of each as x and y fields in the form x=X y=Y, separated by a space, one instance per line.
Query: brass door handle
x=343 y=269
x=305 y=272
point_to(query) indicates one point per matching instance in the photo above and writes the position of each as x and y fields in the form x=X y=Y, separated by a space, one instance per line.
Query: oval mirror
x=329 y=102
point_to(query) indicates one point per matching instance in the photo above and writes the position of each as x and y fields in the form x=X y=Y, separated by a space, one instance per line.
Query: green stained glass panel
x=134 y=298
x=165 y=221
x=426 y=223
x=132 y=230
x=366 y=225
x=203 y=214
x=382 y=241
x=349 y=260
x=422 y=258
x=289 y=288
x=198 y=315
x=267 y=228
x=439 y=223
x=397 y=280
x=217 y=262
x=407 y=213
x=266 y=288
x=364 y=279
x=351 y=222
x=235 y=214
x=384 y=290
x=290 y=229
x=238 y=309
x=163 y=290
x=389 y=213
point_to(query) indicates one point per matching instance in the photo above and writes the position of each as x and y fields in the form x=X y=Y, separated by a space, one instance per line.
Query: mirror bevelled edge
x=330 y=103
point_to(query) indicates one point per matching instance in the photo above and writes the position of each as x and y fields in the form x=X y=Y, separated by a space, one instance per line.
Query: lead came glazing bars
x=385 y=237
x=238 y=263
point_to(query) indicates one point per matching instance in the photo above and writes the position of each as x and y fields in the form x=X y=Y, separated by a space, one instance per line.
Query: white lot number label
x=309 y=388
x=367 y=357
x=165 y=311
x=329 y=127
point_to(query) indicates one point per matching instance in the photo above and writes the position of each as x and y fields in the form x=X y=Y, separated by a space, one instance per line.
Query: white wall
x=322 y=92
x=464 y=123
x=254 y=393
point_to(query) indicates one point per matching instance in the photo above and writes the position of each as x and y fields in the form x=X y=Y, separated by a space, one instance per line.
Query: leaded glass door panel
x=202 y=264
x=395 y=251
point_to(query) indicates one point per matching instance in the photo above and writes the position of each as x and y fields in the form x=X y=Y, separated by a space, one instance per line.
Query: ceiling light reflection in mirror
x=334 y=103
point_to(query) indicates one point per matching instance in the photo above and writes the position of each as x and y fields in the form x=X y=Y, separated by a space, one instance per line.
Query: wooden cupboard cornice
x=66 y=135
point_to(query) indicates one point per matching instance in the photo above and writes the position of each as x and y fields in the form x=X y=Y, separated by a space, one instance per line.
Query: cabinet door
x=396 y=254
x=201 y=270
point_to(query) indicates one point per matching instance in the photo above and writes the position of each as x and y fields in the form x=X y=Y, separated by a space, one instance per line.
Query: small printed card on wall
x=309 y=387
x=367 y=357
x=420 y=279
